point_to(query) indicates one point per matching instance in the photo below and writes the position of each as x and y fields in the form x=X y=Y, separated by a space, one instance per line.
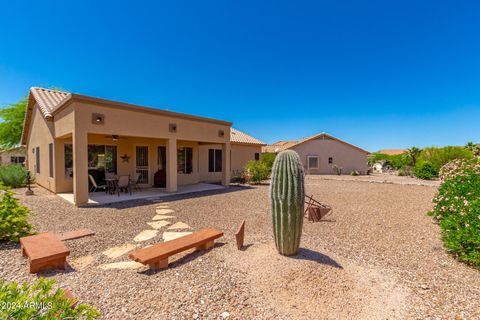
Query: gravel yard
x=378 y=256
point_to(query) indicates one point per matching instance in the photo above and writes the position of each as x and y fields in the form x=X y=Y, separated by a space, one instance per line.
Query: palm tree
x=413 y=154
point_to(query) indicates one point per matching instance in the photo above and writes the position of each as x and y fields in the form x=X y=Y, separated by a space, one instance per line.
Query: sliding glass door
x=102 y=160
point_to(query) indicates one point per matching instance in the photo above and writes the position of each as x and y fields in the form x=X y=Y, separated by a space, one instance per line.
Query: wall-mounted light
x=114 y=137
x=221 y=133
x=172 y=127
x=98 y=118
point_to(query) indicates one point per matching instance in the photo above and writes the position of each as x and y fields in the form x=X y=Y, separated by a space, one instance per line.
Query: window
x=17 y=160
x=37 y=159
x=184 y=160
x=68 y=155
x=50 y=160
x=330 y=160
x=312 y=162
x=257 y=156
x=214 y=160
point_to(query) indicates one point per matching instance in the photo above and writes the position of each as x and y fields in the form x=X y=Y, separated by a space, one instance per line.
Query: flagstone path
x=159 y=221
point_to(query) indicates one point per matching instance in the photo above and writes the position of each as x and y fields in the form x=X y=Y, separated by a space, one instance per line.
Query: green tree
x=412 y=154
x=473 y=147
x=12 y=123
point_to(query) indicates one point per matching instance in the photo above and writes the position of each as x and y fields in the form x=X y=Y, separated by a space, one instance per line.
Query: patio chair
x=95 y=186
x=135 y=180
x=124 y=184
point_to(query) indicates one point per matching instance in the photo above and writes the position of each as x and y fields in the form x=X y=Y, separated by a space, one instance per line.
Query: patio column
x=80 y=167
x=226 y=164
x=172 y=165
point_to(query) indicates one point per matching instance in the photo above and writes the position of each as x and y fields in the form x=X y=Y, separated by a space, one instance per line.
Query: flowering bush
x=457 y=209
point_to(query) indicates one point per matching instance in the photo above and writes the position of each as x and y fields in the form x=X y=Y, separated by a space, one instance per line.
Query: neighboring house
x=321 y=152
x=14 y=155
x=392 y=152
x=69 y=136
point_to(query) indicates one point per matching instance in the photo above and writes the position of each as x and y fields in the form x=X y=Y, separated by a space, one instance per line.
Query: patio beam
x=226 y=163
x=172 y=165
x=80 y=167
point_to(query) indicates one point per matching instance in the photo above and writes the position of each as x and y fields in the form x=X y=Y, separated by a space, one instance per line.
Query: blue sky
x=379 y=74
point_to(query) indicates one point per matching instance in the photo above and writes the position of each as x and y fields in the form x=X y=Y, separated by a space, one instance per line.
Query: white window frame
x=308 y=162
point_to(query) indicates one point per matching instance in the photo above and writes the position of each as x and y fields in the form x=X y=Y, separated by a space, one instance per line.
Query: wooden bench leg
x=59 y=263
x=157 y=265
x=205 y=246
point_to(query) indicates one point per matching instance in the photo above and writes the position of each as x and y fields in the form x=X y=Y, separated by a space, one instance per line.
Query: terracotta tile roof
x=237 y=136
x=48 y=100
x=287 y=144
x=279 y=146
x=392 y=152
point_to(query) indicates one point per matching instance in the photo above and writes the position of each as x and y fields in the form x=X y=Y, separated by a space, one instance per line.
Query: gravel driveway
x=377 y=256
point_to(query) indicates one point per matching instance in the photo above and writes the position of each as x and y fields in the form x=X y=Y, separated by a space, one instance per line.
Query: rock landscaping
x=377 y=256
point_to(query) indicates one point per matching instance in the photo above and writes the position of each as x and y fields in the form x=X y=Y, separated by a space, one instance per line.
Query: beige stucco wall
x=135 y=128
x=241 y=154
x=348 y=157
x=42 y=133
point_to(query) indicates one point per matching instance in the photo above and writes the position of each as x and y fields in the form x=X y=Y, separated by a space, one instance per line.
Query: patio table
x=111 y=185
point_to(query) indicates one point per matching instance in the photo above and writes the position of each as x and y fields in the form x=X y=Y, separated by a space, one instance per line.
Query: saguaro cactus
x=287 y=193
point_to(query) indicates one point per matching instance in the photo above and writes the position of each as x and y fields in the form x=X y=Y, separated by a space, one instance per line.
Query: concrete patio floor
x=101 y=198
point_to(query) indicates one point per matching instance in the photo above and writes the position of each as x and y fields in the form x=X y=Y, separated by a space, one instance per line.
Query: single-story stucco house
x=14 y=155
x=70 y=136
x=319 y=153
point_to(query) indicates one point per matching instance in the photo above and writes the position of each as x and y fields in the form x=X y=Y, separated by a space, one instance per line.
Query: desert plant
x=354 y=173
x=405 y=171
x=337 y=170
x=457 y=209
x=268 y=159
x=412 y=155
x=13 y=218
x=13 y=175
x=439 y=157
x=287 y=195
x=425 y=171
x=256 y=171
x=40 y=301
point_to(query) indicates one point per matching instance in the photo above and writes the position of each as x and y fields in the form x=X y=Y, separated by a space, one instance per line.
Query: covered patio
x=102 y=198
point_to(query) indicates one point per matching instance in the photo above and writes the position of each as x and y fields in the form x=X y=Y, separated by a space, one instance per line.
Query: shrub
x=13 y=219
x=13 y=175
x=256 y=171
x=439 y=157
x=268 y=159
x=425 y=171
x=354 y=173
x=457 y=209
x=39 y=301
x=405 y=171
x=394 y=161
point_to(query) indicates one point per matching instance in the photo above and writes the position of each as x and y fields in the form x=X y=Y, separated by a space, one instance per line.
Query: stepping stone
x=162 y=207
x=116 y=252
x=167 y=236
x=124 y=265
x=82 y=262
x=164 y=211
x=179 y=225
x=145 y=235
x=161 y=217
x=158 y=224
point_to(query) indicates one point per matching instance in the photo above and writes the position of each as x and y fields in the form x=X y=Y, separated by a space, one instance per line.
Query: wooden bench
x=157 y=255
x=44 y=251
